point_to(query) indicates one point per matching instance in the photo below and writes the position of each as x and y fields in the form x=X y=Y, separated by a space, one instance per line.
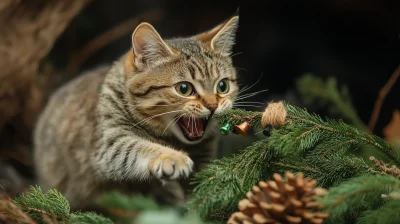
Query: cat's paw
x=172 y=166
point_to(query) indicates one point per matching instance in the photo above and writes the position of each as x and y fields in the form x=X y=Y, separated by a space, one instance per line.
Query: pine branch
x=237 y=116
x=50 y=208
x=326 y=93
x=388 y=213
x=168 y=217
x=304 y=132
x=122 y=206
x=52 y=203
x=305 y=143
x=385 y=168
x=87 y=218
x=226 y=181
x=346 y=202
x=328 y=171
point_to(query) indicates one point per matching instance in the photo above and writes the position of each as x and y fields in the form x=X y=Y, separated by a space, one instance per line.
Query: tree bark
x=28 y=30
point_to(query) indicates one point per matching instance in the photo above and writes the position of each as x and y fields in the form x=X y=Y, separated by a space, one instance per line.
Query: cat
x=142 y=124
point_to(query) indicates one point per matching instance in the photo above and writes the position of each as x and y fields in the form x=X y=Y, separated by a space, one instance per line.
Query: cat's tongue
x=193 y=128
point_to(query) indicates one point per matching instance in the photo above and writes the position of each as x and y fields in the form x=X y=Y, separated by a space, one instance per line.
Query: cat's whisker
x=247 y=88
x=238 y=53
x=249 y=105
x=176 y=118
x=241 y=68
x=152 y=105
x=246 y=106
x=136 y=106
x=154 y=116
x=131 y=110
x=248 y=102
x=250 y=94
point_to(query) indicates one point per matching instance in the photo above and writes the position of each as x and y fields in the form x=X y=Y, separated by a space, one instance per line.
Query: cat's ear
x=222 y=37
x=148 y=46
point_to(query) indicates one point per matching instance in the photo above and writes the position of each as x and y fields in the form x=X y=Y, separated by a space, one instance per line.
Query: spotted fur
x=104 y=130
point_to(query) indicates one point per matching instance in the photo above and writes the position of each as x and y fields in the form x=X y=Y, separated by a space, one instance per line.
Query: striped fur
x=115 y=127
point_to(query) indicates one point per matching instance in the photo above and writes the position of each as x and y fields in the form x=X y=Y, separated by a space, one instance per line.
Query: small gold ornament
x=242 y=128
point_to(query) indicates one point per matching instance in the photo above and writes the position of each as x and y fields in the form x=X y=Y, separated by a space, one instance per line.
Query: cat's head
x=178 y=84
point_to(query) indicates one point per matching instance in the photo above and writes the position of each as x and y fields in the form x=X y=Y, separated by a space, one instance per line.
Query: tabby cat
x=143 y=124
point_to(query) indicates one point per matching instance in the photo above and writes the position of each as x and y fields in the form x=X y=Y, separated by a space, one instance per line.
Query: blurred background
x=332 y=57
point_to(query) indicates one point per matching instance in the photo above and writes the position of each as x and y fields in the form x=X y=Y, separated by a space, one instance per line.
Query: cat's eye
x=184 y=88
x=223 y=86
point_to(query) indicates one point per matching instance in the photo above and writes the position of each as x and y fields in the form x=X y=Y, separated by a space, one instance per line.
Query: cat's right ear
x=148 y=46
x=222 y=37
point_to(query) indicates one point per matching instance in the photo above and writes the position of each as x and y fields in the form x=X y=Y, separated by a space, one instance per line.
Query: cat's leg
x=125 y=156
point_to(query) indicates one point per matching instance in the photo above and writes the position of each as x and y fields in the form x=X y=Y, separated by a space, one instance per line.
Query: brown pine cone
x=279 y=202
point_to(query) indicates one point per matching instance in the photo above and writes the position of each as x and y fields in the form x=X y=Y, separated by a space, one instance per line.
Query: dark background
x=355 y=41
x=358 y=42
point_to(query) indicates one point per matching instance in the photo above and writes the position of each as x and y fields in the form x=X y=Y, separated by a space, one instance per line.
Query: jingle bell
x=267 y=130
x=242 y=128
x=225 y=129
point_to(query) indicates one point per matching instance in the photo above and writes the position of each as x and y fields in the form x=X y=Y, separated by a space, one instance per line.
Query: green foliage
x=226 y=181
x=305 y=143
x=320 y=149
x=52 y=202
x=357 y=197
x=54 y=205
x=328 y=171
x=237 y=116
x=87 y=218
x=388 y=213
x=305 y=132
x=167 y=217
x=117 y=200
x=314 y=90
x=139 y=209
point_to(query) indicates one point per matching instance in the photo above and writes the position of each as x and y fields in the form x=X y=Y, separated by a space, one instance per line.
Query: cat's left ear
x=148 y=46
x=222 y=37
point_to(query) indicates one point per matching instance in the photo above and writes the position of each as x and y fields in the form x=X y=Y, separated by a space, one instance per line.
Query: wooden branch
x=381 y=97
x=391 y=170
x=27 y=34
x=79 y=57
x=7 y=3
x=10 y=213
x=28 y=30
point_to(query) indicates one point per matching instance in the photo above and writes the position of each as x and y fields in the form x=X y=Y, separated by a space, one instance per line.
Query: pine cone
x=279 y=202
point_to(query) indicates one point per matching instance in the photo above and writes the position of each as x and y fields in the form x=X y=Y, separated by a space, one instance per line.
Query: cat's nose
x=211 y=106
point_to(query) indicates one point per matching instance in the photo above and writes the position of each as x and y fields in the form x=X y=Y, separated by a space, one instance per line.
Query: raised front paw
x=171 y=166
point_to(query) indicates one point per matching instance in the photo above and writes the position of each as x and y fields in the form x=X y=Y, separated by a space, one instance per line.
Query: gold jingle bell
x=242 y=128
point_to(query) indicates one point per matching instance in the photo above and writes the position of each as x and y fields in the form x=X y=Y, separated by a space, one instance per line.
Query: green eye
x=184 y=88
x=223 y=86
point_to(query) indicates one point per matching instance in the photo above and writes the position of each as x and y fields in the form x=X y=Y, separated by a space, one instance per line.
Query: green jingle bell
x=225 y=129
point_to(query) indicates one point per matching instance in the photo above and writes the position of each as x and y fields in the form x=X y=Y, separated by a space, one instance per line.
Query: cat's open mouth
x=193 y=128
